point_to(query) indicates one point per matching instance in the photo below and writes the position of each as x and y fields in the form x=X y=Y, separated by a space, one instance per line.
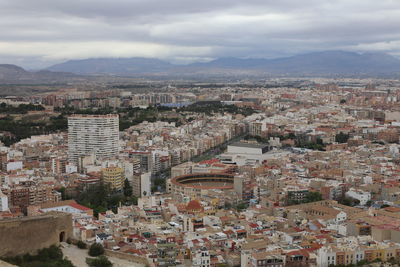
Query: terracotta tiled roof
x=194 y=205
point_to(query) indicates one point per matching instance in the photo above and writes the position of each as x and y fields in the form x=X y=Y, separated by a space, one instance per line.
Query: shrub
x=81 y=245
x=96 y=249
x=101 y=261
x=51 y=253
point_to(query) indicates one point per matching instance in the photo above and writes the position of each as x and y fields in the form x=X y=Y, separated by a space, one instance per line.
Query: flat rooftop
x=93 y=116
x=249 y=145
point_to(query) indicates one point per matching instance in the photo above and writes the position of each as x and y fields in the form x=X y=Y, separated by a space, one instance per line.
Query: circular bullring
x=204 y=181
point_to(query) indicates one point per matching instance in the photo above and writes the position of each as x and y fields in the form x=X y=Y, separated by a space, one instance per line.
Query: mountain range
x=326 y=64
x=319 y=63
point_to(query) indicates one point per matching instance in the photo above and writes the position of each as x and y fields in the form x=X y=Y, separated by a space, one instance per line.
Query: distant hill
x=117 y=66
x=329 y=63
x=14 y=74
x=321 y=63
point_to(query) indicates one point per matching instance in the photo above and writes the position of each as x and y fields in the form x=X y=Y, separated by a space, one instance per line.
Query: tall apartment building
x=58 y=165
x=146 y=160
x=92 y=134
x=131 y=167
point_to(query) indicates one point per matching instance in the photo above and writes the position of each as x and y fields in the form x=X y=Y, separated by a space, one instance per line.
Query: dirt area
x=78 y=257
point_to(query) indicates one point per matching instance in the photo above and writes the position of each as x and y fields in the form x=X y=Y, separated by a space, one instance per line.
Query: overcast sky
x=38 y=33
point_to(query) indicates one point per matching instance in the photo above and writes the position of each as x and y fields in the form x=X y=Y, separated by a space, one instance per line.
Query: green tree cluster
x=216 y=107
x=20 y=109
x=46 y=257
x=341 y=138
x=241 y=206
x=318 y=145
x=101 y=198
x=101 y=261
x=21 y=129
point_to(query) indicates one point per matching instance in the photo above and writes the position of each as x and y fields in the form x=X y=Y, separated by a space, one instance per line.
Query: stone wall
x=28 y=234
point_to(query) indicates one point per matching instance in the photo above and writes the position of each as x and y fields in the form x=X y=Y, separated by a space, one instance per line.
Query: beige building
x=141 y=184
x=114 y=176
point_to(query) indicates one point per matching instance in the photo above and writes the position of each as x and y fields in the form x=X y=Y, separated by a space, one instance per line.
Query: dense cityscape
x=303 y=173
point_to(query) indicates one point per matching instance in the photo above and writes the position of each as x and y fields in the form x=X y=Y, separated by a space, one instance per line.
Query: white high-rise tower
x=92 y=134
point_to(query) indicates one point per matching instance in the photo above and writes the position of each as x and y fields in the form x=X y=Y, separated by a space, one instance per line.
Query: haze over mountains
x=320 y=63
x=329 y=63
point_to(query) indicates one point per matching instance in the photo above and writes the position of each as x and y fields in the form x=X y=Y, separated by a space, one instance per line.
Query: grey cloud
x=179 y=30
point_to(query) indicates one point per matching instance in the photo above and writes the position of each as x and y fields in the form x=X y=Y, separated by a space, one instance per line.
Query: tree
x=291 y=136
x=96 y=249
x=64 y=195
x=101 y=261
x=133 y=200
x=127 y=188
x=159 y=183
x=241 y=206
x=349 y=201
x=227 y=206
x=362 y=262
x=313 y=197
x=341 y=137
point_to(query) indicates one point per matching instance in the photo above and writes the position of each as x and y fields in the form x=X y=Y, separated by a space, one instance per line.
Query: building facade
x=115 y=177
x=92 y=134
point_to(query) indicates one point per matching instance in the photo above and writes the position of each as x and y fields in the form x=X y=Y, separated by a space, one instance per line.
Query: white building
x=360 y=195
x=67 y=206
x=3 y=202
x=247 y=148
x=101 y=237
x=202 y=258
x=326 y=256
x=98 y=134
x=14 y=165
